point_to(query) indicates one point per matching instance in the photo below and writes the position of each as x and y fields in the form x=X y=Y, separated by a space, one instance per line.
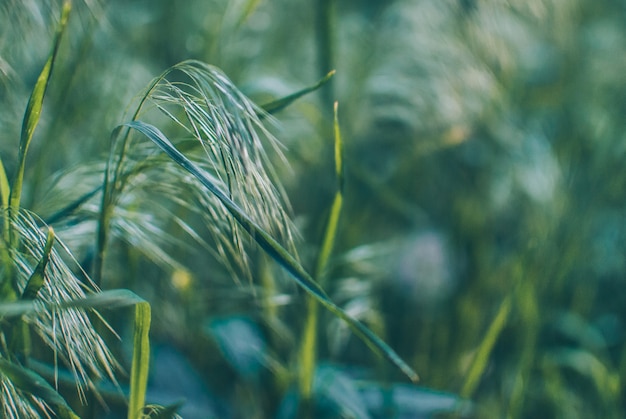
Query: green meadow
x=312 y=209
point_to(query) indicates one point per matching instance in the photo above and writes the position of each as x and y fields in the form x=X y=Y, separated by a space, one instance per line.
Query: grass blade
x=335 y=211
x=5 y=189
x=249 y=8
x=32 y=383
x=479 y=364
x=36 y=280
x=308 y=348
x=141 y=360
x=33 y=109
x=282 y=103
x=273 y=248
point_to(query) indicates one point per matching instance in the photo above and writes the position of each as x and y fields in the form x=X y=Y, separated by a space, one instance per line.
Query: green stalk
x=479 y=363
x=308 y=349
x=6 y=285
x=141 y=361
x=528 y=306
x=5 y=189
x=33 y=110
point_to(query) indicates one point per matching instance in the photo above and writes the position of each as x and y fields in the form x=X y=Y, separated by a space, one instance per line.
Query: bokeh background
x=483 y=234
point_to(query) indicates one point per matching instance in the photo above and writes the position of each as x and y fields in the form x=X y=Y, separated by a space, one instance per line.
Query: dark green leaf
x=33 y=109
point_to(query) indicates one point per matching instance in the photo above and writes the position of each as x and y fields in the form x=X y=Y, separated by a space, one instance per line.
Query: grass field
x=281 y=209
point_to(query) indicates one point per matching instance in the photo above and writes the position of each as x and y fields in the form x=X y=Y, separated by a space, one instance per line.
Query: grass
x=465 y=223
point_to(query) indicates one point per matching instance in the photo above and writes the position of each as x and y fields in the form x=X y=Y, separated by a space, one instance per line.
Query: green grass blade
x=33 y=109
x=282 y=103
x=36 y=280
x=5 y=259
x=479 y=364
x=5 y=189
x=273 y=248
x=32 y=383
x=308 y=348
x=141 y=361
x=335 y=211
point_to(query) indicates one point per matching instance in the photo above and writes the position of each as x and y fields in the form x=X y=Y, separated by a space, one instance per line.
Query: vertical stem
x=308 y=358
x=308 y=350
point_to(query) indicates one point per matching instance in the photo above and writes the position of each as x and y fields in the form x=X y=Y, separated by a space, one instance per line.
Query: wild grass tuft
x=222 y=129
x=68 y=333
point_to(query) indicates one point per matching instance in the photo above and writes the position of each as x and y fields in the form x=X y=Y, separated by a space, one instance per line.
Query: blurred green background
x=483 y=233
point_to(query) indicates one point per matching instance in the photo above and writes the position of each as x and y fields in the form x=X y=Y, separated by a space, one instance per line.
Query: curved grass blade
x=32 y=383
x=282 y=103
x=33 y=109
x=272 y=247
